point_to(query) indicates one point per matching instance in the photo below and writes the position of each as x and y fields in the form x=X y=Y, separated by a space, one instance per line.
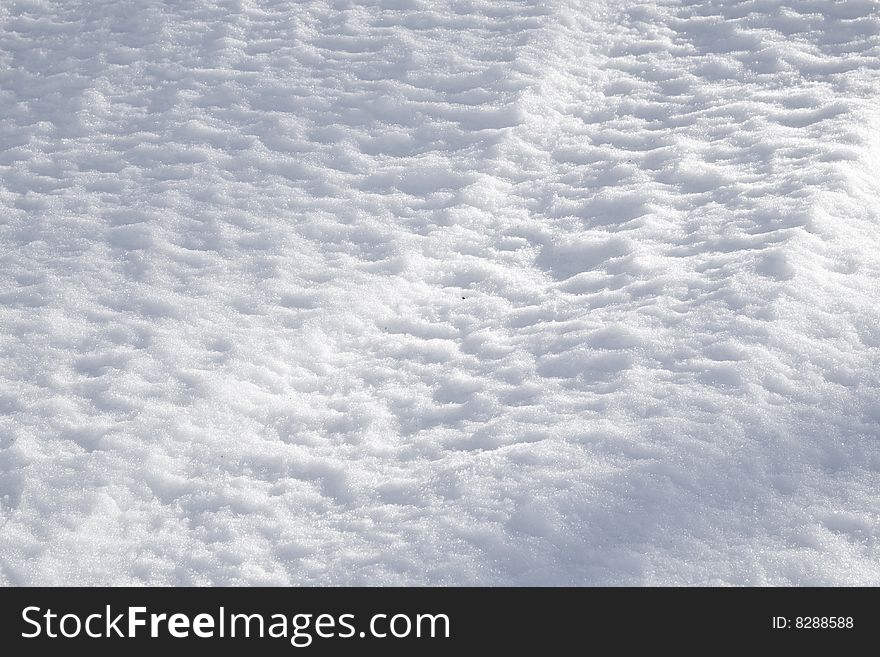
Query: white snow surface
x=440 y=292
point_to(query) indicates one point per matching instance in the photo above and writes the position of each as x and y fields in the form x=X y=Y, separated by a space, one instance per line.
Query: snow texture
x=439 y=292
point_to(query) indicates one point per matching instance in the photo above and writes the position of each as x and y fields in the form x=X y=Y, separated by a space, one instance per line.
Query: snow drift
x=439 y=292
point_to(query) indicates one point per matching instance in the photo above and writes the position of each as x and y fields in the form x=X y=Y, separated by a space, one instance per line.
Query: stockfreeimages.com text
x=299 y=629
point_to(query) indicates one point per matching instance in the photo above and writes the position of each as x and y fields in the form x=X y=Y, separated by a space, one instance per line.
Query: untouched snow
x=439 y=292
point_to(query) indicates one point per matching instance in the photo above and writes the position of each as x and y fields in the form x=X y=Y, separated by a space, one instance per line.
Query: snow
x=439 y=292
